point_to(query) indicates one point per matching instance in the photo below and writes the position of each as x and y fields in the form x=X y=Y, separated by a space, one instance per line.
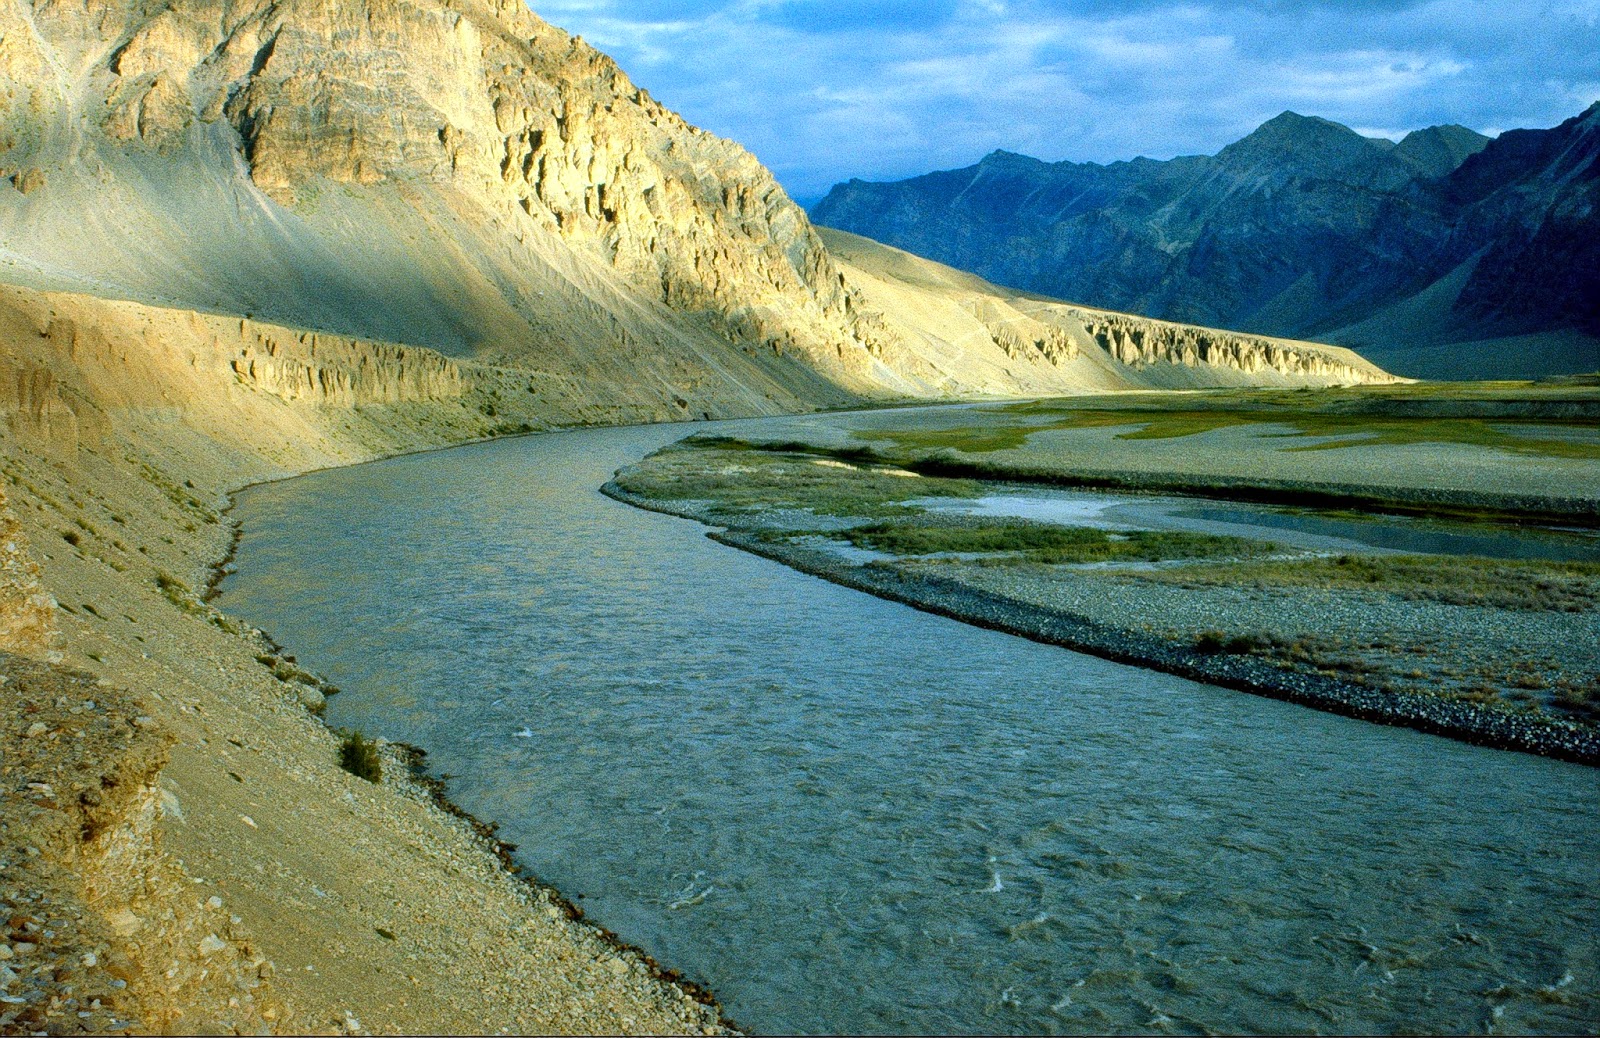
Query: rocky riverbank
x=189 y=855
x=200 y=861
x=1456 y=719
x=1434 y=662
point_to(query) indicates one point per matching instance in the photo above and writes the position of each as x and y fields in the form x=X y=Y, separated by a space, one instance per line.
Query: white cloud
x=823 y=90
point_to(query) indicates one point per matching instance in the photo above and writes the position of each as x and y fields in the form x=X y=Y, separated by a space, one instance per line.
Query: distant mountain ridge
x=1447 y=253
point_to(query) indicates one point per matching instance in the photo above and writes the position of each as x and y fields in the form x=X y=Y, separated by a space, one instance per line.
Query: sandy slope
x=125 y=429
x=967 y=330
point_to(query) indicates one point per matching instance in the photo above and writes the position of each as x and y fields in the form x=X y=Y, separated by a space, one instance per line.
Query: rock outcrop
x=1041 y=345
x=103 y=932
x=1140 y=343
x=341 y=372
x=27 y=610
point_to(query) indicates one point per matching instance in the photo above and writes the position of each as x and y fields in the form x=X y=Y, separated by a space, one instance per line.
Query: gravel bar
x=1454 y=719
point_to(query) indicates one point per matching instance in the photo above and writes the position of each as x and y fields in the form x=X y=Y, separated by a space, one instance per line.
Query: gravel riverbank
x=1519 y=730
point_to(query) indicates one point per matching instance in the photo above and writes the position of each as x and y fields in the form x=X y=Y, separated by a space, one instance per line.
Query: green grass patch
x=1009 y=543
x=1355 y=431
x=359 y=756
x=1341 y=431
x=739 y=478
x=1452 y=580
x=967 y=439
x=1011 y=426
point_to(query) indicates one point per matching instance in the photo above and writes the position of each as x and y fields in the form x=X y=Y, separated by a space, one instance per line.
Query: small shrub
x=1216 y=642
x=1579 y=699
x=171 y=585
x=178 y=593
x=71 y=537
x=359 y=756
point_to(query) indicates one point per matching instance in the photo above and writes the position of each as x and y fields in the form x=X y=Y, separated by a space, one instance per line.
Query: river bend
x=846 y=815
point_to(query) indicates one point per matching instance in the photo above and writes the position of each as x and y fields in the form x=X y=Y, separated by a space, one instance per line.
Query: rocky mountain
x=1444 y=254
x=455 y=175
x=950 y=314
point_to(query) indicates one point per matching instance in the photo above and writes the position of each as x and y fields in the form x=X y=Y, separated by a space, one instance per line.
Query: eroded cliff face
x=1140 y=342
x=512 y=107
x=1043 y=346
x=453 y=174
x=341 y=372
x=539 y=143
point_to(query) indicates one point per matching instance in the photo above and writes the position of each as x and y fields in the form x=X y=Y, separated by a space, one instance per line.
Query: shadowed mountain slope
x=1419 y=252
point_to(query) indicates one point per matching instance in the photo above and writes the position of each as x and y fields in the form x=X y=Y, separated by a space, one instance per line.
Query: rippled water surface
x=847 y=815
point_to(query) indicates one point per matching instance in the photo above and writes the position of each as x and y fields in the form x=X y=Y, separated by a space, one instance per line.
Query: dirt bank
x=174 y=750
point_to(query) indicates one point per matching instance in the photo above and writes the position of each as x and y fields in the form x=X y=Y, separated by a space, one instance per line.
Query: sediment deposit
x=969 y=331
x=1408 y=656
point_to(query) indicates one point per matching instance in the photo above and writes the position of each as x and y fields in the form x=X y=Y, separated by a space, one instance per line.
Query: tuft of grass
x=182 y=596
x=179 y=593
x=1216 y=643
x=738 y=478
x=1580 y=698
x=1534 y=586
x=1014 y=542
x=359 y=756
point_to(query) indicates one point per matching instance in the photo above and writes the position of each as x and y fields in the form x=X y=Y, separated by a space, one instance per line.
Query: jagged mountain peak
x=1001 y=158
x=1302 y=143
x=1437 y=150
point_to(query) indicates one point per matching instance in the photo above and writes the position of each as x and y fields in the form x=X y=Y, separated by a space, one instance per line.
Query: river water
x=846 y=815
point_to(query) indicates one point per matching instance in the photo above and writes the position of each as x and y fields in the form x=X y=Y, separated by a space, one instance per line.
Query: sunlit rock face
x=27 y=612
x=459 y=176
x=514 y=144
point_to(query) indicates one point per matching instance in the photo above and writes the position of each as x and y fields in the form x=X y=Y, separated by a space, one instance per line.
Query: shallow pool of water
x=1307 y=528
x=846 y=815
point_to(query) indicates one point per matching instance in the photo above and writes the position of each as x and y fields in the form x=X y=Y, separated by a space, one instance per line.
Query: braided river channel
x=846 y=815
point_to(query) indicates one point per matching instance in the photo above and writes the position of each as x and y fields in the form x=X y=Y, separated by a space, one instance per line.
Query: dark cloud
x=823 y=90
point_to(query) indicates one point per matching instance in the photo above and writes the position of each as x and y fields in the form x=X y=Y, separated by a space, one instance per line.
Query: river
x=846 y=815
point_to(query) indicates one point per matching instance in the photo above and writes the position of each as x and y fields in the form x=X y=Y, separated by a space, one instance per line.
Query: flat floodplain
x=1394 y=444
x=848 y=815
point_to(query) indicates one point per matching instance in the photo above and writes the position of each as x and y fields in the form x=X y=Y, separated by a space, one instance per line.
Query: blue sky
x=824 y=90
